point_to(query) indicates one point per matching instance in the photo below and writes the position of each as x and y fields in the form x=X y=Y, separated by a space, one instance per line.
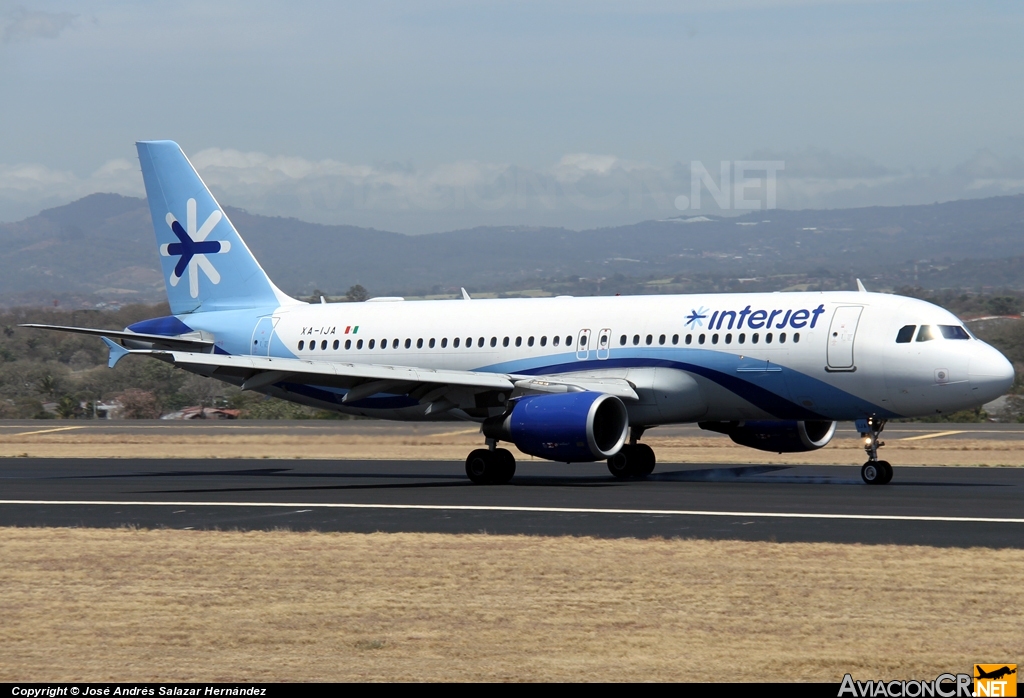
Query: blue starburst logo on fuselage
x=696 y=317
x=192 y=247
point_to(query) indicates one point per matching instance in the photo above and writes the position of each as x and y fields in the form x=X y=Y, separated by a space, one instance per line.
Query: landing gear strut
x=633 y=459
x=874 y=472
x=490 y=466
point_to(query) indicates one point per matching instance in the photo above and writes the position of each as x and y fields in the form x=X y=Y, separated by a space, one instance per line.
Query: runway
x=951 y=507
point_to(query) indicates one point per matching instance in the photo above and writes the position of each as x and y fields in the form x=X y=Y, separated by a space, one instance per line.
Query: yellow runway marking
x=932 y=436
x=43 y=431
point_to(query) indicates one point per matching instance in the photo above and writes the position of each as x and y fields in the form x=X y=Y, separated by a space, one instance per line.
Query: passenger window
x=782 y=338
x=754 y=337
x=555 y=340
x=336 y=343
x=519 y=341
x=636 y=339
x=529 y=342
x=348 y=344
x=714 y=338
x=768 y=338
x=622 y=340
x=689 y=339
x=302 y=343
x=480 y=342
x=394 y=343
x=494 y=341
x=728 y=338
x=359 y=344
x=953 y=332
x=649 y=340
x=700 y=340
x=504 y=342
x=419 y=343
x=905 y=334
x=544 y=341
x=372 y=342
x=675 y=339
x=455 y=342
x=469 y=342
x=383 y=344
x=742 y=338
x=568 y=339
x=796 y=337
x=661 y=339
x=926 y=333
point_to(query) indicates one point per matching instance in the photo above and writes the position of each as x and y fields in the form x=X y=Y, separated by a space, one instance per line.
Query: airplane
x=563 y=379
x=994 y=674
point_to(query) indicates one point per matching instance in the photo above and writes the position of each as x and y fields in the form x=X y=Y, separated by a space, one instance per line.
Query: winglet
x=117 y=352
x=860 y=287
x=465 y=295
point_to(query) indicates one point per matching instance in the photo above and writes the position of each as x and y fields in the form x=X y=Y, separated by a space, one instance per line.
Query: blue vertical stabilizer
x=206 y=264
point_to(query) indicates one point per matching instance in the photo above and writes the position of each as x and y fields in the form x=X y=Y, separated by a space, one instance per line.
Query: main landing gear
x=490 y=466
x=633 y=459
x=874 y=472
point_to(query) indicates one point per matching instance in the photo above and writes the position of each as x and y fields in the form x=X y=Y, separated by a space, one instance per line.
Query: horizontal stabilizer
x=165 y=342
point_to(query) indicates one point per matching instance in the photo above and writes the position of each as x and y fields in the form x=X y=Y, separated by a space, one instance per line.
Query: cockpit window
x=954 y=332
x=906 y=334
x=926 y=334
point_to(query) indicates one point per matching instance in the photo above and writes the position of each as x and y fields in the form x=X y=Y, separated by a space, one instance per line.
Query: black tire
x=645 y=461
x=873 y=472
x=887 y=477
x=480 y=466
x=621 y=464
x=506 y=466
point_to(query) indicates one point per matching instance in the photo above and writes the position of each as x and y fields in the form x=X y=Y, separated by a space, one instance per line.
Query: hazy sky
x=426 y=116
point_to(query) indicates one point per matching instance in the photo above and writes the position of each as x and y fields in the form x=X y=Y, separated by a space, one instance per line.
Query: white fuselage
x=828 y=356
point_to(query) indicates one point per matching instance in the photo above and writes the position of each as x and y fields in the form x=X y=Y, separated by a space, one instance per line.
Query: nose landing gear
x=874 y=472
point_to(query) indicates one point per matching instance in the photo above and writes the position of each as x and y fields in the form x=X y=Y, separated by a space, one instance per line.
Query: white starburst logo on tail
x=192 y=247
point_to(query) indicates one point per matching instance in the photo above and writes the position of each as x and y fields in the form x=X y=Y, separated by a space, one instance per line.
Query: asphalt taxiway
x=959 y=507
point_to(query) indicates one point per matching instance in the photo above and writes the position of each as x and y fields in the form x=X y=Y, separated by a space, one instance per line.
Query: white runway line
x=537 y=510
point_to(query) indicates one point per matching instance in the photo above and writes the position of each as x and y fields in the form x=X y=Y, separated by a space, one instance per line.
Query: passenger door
x=841 y=336
x=261 y=337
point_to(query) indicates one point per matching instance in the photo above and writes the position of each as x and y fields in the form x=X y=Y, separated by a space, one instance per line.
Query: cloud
x=579 y=190
x=22 y=24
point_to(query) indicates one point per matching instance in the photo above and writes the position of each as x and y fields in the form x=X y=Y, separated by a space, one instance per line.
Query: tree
x=139 y=404
x=357 y=294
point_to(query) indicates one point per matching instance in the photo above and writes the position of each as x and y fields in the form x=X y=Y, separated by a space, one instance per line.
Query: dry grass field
x=164 y=605
x=454 y=442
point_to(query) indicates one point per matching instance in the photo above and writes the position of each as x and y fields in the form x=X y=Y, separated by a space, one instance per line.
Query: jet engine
x=780 y=437
x=567 y=427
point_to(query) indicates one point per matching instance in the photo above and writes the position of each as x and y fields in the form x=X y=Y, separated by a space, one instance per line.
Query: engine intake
x=567 y=427
x=779 y=437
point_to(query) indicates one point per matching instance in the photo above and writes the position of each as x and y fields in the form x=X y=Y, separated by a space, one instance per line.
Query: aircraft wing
x=438 y=389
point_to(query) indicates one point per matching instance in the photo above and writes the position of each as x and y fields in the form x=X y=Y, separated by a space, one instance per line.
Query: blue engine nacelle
x=780 y=437
x=566 y=427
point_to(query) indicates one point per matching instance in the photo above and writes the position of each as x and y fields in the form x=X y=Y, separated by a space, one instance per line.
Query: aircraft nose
x=990 y=374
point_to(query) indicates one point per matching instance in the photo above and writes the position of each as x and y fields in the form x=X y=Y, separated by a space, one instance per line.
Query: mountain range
x=100 y=249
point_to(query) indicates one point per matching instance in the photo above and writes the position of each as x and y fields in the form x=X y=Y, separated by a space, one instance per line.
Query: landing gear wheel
x=507 y=466
x=874 y=472
x=632 y=460
x=646 y=460
x=887 y=476
x=621 y=465
x=485 y=467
